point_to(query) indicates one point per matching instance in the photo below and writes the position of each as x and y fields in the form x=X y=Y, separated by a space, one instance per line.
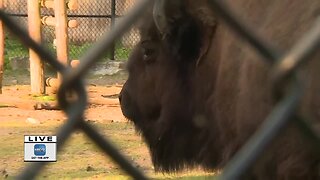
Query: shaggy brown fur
x=200 y=92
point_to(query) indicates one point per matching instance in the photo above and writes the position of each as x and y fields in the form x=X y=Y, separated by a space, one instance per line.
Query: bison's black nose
x=120 y=97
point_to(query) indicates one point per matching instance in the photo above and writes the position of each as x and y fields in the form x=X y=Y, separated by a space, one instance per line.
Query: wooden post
x=48 y=20
x=73 y=4
x=51 y=21
x=36 y=65
x=2 y=38
x=47 y=3
x=60 y=10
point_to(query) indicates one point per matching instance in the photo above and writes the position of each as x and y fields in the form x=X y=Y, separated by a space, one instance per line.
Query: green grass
x=44 y=98
x=79 y=153
x=4 y=105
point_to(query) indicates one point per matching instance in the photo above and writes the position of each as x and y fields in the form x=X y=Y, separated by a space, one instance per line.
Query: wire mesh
x=282 y=113
x=285 y=109
x=72 y=82
x=93 y=17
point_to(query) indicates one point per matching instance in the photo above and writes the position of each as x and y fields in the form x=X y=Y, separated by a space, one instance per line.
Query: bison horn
x=159 y=15
x=165 y=13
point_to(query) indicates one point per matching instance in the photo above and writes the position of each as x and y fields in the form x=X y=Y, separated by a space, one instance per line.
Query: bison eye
x=148 y=50
x=148 y=54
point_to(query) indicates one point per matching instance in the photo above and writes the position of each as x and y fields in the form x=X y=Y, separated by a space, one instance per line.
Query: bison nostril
x=120 y=97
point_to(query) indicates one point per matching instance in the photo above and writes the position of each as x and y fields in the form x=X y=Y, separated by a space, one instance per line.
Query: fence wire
x=72 y=82
x=94 y=17
x=284 y=65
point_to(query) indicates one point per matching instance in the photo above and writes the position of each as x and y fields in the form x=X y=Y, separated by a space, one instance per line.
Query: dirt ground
x=17 y=103
x=79 y=158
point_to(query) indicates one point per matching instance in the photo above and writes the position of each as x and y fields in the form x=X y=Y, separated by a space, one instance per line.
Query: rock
x=108 y=68
x=4 y=173
x=14 y=82
x=89 y=168
x=47 y=106
x=32 y=121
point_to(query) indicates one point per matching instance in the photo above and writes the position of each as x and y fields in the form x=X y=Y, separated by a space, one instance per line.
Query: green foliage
x=76 y=51
x=122 y=53
x=14 y=48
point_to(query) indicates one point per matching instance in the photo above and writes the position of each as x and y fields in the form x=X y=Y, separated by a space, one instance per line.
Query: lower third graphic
x=40 y=148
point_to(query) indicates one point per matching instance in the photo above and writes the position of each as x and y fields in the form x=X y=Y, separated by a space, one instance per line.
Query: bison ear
x=207 y=34
x=185 y=36
x=166 y=12
x=186 y=31
x=208 y=23
x=177 y=28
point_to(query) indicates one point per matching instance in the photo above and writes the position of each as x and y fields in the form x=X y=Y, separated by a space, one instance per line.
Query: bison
x=197 y=92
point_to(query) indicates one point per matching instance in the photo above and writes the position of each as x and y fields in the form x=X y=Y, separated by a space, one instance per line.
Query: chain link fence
x=94 y=17
x=245 y=158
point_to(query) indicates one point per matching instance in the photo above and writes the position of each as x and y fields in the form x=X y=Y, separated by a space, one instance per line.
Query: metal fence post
x=113 y=19
x=2 y=39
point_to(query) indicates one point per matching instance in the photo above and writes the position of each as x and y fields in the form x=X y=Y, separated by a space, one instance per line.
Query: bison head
x=161 y=96
x=196 y=92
